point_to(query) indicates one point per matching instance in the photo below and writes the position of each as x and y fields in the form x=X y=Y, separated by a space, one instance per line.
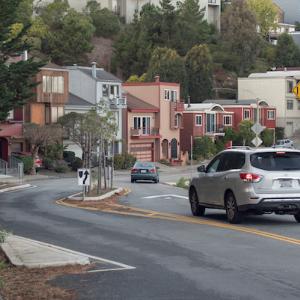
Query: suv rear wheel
x=297 y=216
x=232 y=212
x=196 y=208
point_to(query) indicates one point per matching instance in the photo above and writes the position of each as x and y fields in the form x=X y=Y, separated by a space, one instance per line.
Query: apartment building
x=276 y=88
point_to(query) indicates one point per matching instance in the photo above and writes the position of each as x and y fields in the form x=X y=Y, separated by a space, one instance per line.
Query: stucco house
x=162 y=121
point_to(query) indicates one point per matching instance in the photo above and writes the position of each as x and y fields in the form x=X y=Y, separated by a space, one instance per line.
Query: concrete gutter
x=96 y=198
x=32 y=254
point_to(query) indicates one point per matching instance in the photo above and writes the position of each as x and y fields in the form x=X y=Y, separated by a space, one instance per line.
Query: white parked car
x=285 y=143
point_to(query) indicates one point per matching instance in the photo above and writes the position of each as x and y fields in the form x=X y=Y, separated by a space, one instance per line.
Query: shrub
x=279 y=133
x=183 y=182
x=69 y=156
x=124 y=161
x=267 y=137
x=76 y=164
x=28 y=163
x=48 y=163
x=54 y=151
x=61 y=166
x=204 y=147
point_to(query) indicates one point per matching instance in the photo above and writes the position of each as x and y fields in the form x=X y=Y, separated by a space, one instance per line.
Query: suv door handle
x=225 y=177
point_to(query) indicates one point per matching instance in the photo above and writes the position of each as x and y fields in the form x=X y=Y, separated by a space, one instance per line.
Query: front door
x=174 y=153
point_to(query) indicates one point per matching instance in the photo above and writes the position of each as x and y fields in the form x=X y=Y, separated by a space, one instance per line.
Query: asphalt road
x=173 y=259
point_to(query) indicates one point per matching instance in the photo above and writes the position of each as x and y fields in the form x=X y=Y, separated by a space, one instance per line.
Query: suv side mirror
x=201 y=169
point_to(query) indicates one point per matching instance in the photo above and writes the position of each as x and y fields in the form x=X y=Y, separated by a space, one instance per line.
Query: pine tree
x=16 y=79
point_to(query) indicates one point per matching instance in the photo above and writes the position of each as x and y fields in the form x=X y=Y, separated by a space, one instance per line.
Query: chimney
x=189 y=101
x=157 y=78
x=25 y=55
x=94 y=69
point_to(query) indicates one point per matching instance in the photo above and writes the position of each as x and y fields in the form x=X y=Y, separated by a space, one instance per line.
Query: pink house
x=154 y=119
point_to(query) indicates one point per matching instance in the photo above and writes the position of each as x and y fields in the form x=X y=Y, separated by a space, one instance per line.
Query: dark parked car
x=144 y=171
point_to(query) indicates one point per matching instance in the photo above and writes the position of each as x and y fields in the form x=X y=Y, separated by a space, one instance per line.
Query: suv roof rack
x=241 y=147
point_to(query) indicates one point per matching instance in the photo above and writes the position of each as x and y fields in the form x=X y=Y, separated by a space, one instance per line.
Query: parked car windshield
x=146 y=165
x=276 y=161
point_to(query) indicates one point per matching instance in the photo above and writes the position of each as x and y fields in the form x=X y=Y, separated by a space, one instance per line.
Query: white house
x=92 y=85
x=276 y=87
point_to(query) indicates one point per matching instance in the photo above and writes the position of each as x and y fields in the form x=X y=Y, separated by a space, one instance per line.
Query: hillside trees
x=69 y=33
x=265 y=12
x=106 y=23
x=287 y=52
x=16 y=84
x=198 y=63
x=239 y=37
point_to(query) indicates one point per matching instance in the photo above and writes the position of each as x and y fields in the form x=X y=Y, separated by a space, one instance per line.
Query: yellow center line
x=139 y=212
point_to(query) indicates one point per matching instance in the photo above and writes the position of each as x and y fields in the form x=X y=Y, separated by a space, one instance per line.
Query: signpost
x=84 y=178
x=296 y=90
x=257 y=128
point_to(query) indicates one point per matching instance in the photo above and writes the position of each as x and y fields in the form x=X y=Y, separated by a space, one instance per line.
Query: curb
x=14 y=188
x=98 y=198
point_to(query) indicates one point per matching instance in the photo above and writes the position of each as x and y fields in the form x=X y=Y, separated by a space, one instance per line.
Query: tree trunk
x=34 y=153
x=104 y=168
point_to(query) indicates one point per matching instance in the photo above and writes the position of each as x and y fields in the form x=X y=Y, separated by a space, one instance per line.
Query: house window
x=173 y=96
x=10 y=115
x=114 y=90
x=142 y=123
x=56 y=113
x=227 y=120
x=246 y=114
x=290 y=85
x=290 y=104
x=271 y=115
x=198 y=120
x=53 y=84
x=167 y=94
x=105 y=90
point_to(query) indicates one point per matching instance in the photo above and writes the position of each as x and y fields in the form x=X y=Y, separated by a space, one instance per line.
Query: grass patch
x=183 y=183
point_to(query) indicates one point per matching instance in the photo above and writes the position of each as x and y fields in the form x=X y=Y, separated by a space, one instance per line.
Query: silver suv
x=286 y=143
x=245 y=180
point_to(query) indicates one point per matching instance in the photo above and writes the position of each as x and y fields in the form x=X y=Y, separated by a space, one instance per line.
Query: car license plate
x=286 y=183
x=143 y=171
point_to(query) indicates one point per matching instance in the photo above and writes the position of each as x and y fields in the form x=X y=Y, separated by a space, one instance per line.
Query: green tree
x=192 y=29
x=239 y=37
x=168 y=65
x=267 y=137
x=69 y=33
x=198 y=64
x=265 y=12
x=106 y=23
x=246 y=133
x=287 y=52
x=16 y=84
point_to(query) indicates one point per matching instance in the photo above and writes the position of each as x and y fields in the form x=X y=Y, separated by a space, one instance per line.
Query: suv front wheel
x=196 y=208
x=232 y=212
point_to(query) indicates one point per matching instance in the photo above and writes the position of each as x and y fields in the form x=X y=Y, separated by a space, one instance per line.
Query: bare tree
x=40 y=136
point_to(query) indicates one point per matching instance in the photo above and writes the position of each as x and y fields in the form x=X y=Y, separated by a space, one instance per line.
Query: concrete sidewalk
x=32 y=254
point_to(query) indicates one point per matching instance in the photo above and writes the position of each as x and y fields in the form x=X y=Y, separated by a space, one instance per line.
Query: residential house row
x=153 y=121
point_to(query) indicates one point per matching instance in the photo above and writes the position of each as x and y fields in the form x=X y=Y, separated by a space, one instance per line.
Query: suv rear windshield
x=276 y=161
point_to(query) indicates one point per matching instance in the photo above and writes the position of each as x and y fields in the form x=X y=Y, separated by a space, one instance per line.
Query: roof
x=203 y=107
x=235 y=102
x=136 y=104
x=11 y=130
x=77 y=101
x=273 y=74
x=101 y=74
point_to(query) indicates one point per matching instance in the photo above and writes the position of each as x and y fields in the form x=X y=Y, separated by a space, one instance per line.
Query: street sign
x=256 y=141
x=257 y=128
x=296 y=90
x=84 y=177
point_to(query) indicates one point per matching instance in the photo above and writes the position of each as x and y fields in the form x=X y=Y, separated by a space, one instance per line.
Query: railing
x=212 y=1
x=118 y=103
x=144 y=132
x=217 y=129
x=3 y=166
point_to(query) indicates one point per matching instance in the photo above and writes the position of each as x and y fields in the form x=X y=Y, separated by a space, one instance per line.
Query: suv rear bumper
x=280 y=206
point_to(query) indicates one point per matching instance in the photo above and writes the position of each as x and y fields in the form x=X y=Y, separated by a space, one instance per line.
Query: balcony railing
x=218 y=129
x=144 y=132
x=116 y=103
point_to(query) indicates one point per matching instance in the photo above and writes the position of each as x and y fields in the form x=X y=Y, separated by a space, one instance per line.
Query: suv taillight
x=134 y=170
x=250 y=177
x=152 y=170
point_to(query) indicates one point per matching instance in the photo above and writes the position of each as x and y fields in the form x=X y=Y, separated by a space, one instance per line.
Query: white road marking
x=120 y=266
x=165 y=196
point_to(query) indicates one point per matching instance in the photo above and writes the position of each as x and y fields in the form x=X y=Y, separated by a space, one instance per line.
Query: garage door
x=143 y=152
